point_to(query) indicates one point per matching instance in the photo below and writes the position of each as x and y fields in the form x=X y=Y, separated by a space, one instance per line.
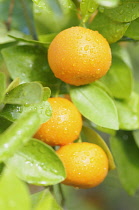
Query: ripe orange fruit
x=64 y=126
x=79 y=56
x=86 y=164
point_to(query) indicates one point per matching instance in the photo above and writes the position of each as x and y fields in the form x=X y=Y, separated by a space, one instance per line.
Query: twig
x=10 y=13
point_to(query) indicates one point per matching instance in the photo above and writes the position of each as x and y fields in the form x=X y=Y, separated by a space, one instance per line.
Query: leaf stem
x=10 y=13
x=28 y=19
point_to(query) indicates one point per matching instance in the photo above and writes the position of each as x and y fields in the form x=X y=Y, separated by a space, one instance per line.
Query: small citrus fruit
x=64 y=126
x=86 y=164
x=79 y=56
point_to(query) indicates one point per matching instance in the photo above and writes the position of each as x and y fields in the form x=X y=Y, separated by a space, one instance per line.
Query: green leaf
x=95 y=105
x=121 y=51
x=13 y=112
x=87 y=8
x=13 y=84
x=108 y=3
x=4 y=34
x=126 y=155
x=27 y=93
x=128 y=112
x=111 y=30
x=93 y=137
x=14 y=194
x=46 y=93
x=17 y=134
x=2 y=86
x=37 y=163
x=47 y=38
x=53 y=16
x=31 y=64
x=45 y=201
x=119 y=79
x=136 y=137
x=132 y=31
x=126 y=11
x=103 y=86
x=4 y=124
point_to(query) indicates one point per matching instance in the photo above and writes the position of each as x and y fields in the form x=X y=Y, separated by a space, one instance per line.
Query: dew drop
x=86 y=47
x=79 y=37
x=34 y=143
x=88 y=39
x=42 y=150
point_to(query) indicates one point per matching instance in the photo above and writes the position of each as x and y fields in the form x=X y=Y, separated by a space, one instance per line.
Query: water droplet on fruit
x=88 y=39
x=86 y=47
x=79 y=36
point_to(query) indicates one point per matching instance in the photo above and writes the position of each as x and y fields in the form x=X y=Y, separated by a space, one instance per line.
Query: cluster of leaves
x=110 y=105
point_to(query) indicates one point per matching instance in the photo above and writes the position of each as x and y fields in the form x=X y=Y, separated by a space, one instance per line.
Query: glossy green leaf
x=14 y=194
x=105 y=130
x=18 y=134
x=136 y=86
x=121 y=51
x=95 y=105
x=53 y=16
x=103 y=86
x=87 y=8
x=45 y=200
x=4 y=124
x=2 y=86
x=31 y=64
x=126 y=11
x=132 y=31
x=128 y=112
x=108 y=3
x=46 y=93
x=13 y=84
x=13 y=112
x=119 y=79
x=93 y=137
x=111 y=30
x=126 y=155
x=37 y=163
x=47 y=38
x=27 y=93
x=136 y=137
x=4 y=34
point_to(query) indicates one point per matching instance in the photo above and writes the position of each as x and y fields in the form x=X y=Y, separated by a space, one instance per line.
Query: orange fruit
x=64 y=126
x=86 y=164
x=79 y=56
